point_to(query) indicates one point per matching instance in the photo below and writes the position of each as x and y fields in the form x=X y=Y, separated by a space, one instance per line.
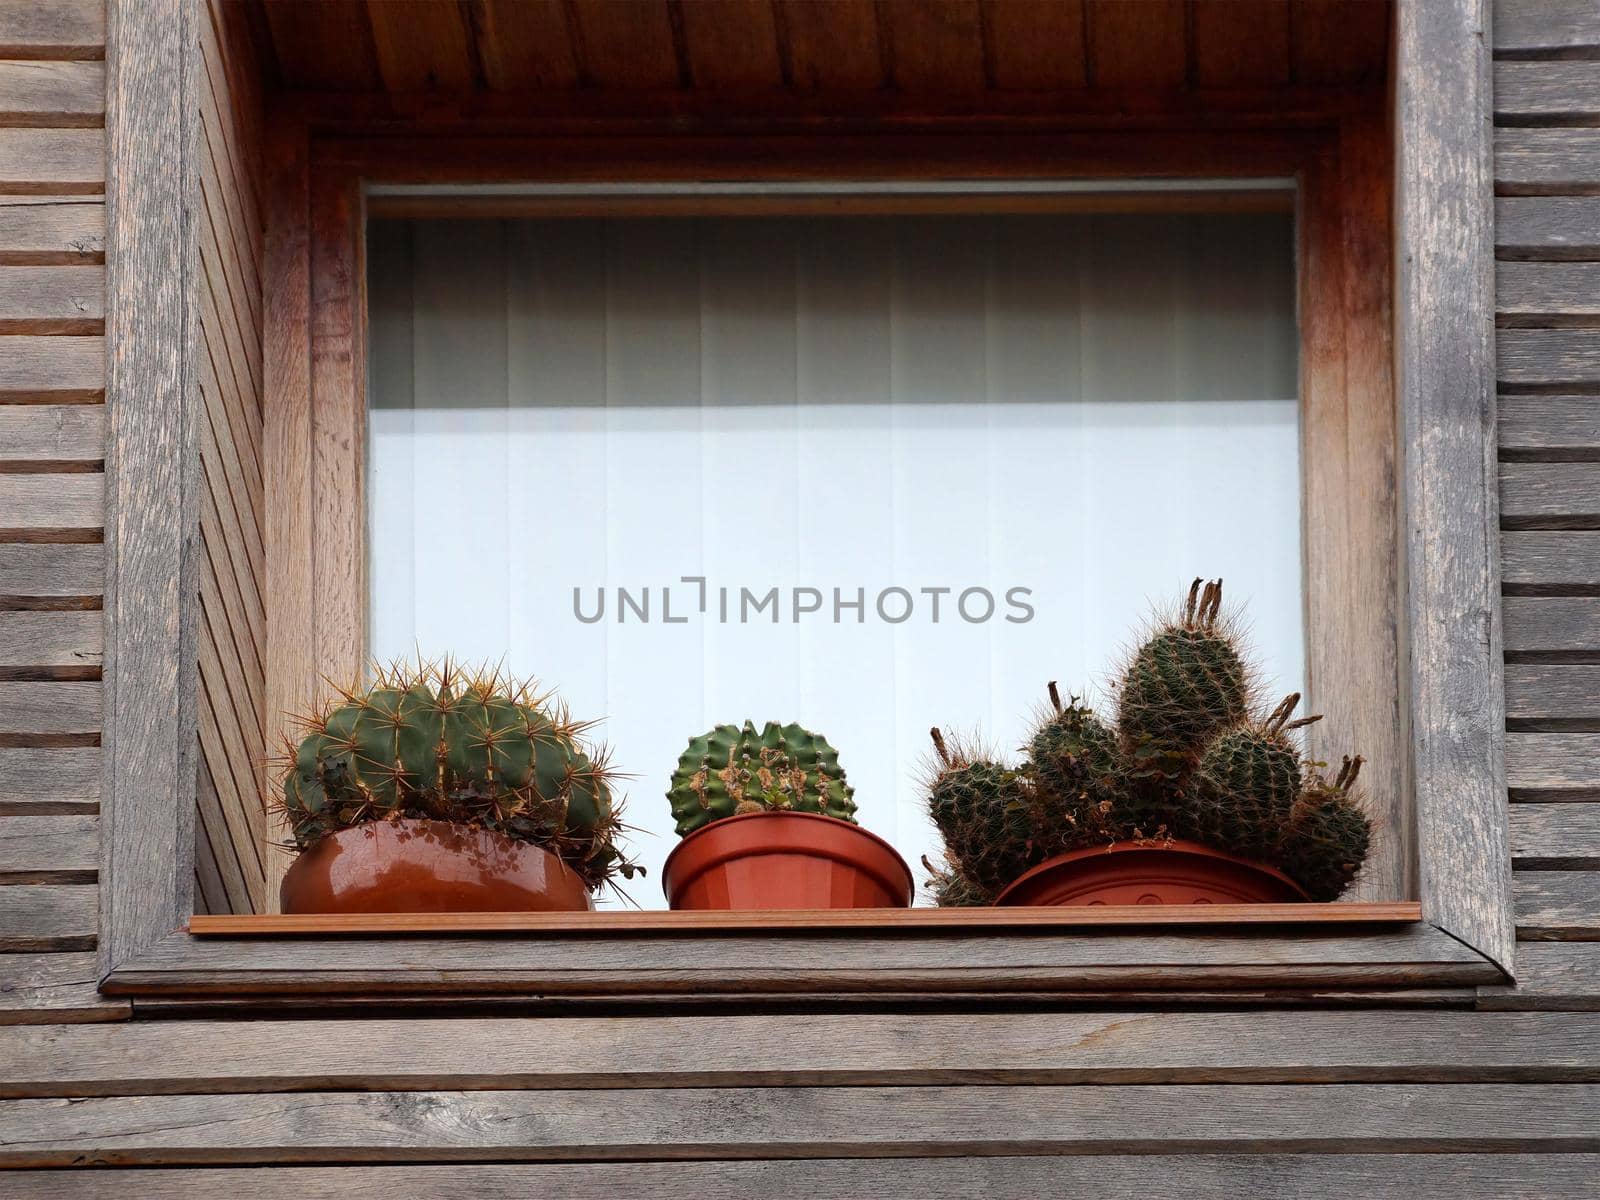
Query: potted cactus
x=1192 y=795
x=768 y=822
x=438 y=790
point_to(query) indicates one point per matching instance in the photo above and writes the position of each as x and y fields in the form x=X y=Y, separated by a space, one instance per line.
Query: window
x=872 y=472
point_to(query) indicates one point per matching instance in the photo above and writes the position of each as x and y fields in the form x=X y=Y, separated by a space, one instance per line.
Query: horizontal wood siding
x=1547 y=239
x=52 y=505
x=230 y=829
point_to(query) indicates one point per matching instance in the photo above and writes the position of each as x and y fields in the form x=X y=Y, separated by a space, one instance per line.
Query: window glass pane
x=1028 y=425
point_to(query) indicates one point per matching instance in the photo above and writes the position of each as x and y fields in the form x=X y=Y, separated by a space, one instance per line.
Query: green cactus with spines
x=1326 y=836
x=1181 y=685
x=987 y=814
x=1247 y=780
x=949 y=888
x=477 y=749
x=732 y=770
x=1079 y=775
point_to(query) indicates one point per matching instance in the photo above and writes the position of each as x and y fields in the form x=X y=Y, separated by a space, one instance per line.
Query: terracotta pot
x=785 y=860
x=429 y=866
x=1174 y=872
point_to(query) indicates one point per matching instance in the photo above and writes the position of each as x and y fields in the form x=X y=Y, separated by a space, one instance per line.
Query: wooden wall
x=52 y=488
x=1163 y=1101
x=231 y=830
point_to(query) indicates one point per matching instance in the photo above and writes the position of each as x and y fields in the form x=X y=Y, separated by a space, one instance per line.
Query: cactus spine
x=1326 y=836
x=985 y=812
x=440 y=743
x=730 y=771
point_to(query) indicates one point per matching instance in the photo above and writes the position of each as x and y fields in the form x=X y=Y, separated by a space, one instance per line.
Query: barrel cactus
x=1079 y=776
x=731 y=771
x=986 y=813
x=1326 y=836
x=474 y=748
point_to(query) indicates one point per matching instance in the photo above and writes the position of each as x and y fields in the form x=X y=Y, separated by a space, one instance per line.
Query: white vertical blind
x=1094 y=408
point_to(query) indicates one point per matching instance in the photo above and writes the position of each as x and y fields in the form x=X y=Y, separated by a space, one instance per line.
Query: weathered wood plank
x=51 y=639
x=1547 y=227
x=1555 y=625
x=1556 y=837
x=1550 y=976
x=1545 y=26
x=1554 y=93
x=41 y=849
x=798 y=1122
x=1549 y=422
x=1544 y=162
x=51 y=299
x=1478 y=1176
x=1553 y=761
x=52 y=432
x=51 y=93
x=46 y=571
x=49 y=708
x=45 y=368
x=1544 y=294
x=1019 y=1049
x=1558 y=905
x=1446 y=395
x=60 y=29
x=1550 y=558
x=71 y=501
x=1545 y=691
x=1549 y=358
x=48 y=989
x=47 y=916
x=1558 y=489
x=52 y=162
x=45 y=230
x=33 y=780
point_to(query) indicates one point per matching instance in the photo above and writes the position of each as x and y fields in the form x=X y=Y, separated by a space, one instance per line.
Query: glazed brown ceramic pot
x=1175 y=872
x=429 y=866
x=785 y=860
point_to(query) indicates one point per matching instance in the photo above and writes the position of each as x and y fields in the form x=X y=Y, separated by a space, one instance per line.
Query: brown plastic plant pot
x=785 y=860
x=1175 y=872
x=417 y=866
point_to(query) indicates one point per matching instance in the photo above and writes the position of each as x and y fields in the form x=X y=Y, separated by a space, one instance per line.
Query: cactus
x=1079 y=776
x=1184 y=683
x=986 y=813
x=949 y=888
x=1326 y=836
x=1247 y=780
x=478 y=749
x=730 y=771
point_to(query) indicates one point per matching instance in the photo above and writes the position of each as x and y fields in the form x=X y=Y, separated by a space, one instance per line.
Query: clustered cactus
x=476 y=748
x=731 y=771
x=1190 y=755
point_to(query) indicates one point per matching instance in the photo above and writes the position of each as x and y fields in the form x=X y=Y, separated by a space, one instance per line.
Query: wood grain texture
x=49 y=849
x=524 y=45
x=1035 y=45
x=1137 y=43
x=51 y=230
x=52 y=989
x=73 y=501
x=1549 y=422
x=1558 y=905
x=1553 y=762
x=148 y=804
x=1240 y=43
x=1549 y=359
x=1546 y=691
x=802 y=1049
x=833 y=47
x=40 y=709
x=50 y=299
x=51 y=639
x=612 y=923
x=421 y=45
x=1338 y=41
x=36 y=779
x=52 y=368
x=52 y=161
x=795 y=1122
x=52 y=433
x=55 y=572
x=1547 y=93
x=1564 y=625
x=1558 y=491
x=1545 y=27
x=1446 y=362
x=47 y=917
x=61 y=29
x=933 y=47
x=1476 y=1176
x=787 y=964
x=54 y=94
x=732 y=45
x=1556 y=837
x=1546 y=162
x=1538 y=558
x=1546 y=294
x=1550 y=976
x=1547 y=227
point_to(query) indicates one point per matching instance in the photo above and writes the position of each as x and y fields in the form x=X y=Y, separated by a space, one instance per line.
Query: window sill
x=876 y=920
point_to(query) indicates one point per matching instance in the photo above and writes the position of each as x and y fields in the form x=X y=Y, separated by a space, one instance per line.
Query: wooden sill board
x=873 y=920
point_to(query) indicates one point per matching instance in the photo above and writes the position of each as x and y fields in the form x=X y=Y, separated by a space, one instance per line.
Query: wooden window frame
x=1420 y=579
